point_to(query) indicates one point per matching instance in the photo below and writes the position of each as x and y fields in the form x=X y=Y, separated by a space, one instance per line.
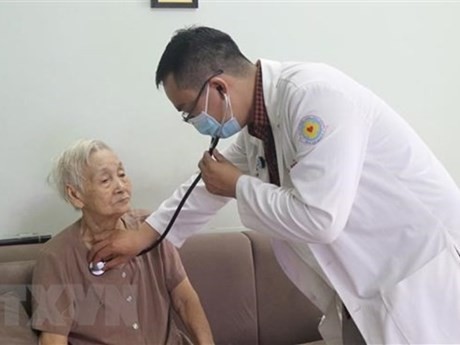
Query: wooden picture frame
x=174 y=3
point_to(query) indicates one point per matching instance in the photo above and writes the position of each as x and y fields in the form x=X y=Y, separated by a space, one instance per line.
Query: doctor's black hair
x=195 y=53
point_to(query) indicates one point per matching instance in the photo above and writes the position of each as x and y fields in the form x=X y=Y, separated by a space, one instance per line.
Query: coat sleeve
x=325 y=177
x=200 y=205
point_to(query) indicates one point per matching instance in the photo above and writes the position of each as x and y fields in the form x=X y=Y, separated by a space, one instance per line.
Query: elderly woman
x=131 y=304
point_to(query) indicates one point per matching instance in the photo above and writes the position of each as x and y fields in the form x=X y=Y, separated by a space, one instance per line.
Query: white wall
x=71 y=69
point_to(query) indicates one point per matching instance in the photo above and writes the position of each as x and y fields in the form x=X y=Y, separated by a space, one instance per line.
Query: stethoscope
x=98 y=268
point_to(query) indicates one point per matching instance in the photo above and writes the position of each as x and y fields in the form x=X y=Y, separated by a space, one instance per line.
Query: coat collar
x=271 y=71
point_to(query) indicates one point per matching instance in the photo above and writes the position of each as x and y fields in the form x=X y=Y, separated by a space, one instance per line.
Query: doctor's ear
x=220 y=84
x=220 y=89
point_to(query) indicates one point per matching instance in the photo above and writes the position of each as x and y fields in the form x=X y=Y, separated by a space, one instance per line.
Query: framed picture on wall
x=174 y=3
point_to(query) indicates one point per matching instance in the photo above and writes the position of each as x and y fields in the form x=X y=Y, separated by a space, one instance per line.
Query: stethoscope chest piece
x=97 y=269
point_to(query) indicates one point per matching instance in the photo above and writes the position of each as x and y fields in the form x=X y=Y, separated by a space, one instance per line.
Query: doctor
x=360 y=210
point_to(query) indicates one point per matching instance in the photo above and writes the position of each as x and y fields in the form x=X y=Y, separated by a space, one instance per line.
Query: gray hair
x=69 y=166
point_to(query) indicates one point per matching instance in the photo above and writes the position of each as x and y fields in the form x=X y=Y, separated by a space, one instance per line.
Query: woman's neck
x=92 y=226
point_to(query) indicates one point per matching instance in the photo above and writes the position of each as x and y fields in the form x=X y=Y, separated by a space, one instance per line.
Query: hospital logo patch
x=311 y=129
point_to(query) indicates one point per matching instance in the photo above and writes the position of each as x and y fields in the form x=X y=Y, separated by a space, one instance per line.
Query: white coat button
x=129 y=298
x=135 y=325
x=123 y=275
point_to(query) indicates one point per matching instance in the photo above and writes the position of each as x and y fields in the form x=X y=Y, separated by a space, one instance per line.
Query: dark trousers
x=350 y=333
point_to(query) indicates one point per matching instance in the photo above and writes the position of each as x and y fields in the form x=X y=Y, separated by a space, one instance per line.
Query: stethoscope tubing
x=212 y=146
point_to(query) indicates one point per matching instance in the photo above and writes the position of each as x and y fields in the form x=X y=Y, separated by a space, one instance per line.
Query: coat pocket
x=425 y=306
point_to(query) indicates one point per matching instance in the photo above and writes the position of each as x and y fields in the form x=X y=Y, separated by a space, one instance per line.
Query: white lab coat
x=367 y=213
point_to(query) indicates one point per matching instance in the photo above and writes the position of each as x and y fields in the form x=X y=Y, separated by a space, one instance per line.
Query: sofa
x=245 y=294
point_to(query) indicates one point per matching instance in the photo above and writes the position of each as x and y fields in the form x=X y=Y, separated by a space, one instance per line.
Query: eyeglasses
x=187 y=115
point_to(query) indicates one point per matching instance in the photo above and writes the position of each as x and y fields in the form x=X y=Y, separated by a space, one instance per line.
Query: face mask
x=207 y=125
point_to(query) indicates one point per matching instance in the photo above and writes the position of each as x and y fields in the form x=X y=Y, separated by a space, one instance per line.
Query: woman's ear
x=75 y=197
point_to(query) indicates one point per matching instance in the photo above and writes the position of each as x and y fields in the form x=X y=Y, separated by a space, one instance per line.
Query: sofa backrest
x=245 y=294
x=247 y=297
x=221 y=269
x=19 y=252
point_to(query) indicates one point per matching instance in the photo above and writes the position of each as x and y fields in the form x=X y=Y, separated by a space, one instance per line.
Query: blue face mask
x=207 y=125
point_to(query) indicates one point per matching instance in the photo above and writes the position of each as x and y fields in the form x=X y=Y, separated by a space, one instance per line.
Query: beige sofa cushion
x=16 y=276
x=280 y=303
x=19 y=252
x=14 y=322
x=221 y=269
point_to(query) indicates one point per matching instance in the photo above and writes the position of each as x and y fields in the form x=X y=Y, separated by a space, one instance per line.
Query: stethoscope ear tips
x=97 y=269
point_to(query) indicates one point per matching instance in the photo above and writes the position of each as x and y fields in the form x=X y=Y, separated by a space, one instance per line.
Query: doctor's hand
x=121 y=245
x=218 y=174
